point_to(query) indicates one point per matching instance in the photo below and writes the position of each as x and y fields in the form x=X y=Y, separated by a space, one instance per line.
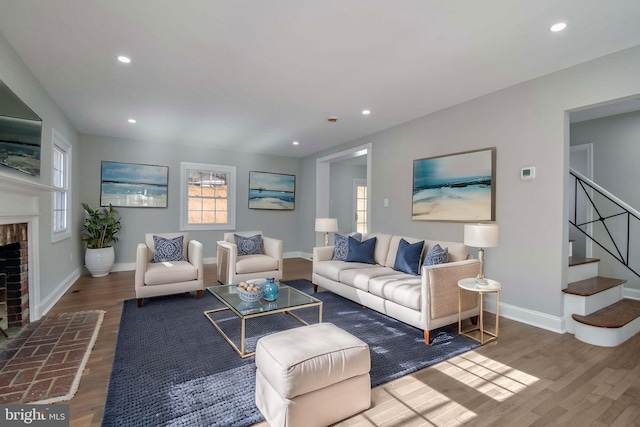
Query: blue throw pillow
x=437 y=255
x=341 y=247
x=408 y=257
x=249 y=245
x=167 y=249
x=361 y=252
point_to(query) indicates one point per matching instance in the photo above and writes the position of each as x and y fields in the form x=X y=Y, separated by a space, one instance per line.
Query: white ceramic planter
x=99 y=261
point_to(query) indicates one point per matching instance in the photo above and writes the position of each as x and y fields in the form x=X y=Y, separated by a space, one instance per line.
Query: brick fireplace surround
x=14 y=262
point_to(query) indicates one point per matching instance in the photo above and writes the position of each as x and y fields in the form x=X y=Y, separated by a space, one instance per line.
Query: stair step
x=574 y=260
x=614 y=316
x=592 y=285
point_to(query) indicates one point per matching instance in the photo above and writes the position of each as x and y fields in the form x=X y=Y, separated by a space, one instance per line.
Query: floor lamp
x=481 y=236
x=326 y=226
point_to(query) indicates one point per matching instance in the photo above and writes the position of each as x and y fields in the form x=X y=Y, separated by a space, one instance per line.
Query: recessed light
x=296 y=143
x=558 y=27
x=124 y=59
x=366 y=112
x=132 y=120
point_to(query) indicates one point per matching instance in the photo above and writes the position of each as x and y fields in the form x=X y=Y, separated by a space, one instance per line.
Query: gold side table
x=492 y=287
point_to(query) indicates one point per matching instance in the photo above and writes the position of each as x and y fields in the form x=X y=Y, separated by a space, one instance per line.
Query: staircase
x=595 y=311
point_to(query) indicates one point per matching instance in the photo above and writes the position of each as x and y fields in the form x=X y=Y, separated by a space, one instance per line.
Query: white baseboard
x=631 y=293
x=529 y=317
x=46 y=304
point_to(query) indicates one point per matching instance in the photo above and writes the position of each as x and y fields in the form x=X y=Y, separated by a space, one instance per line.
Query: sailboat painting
x=273 y=191
x=455 y=187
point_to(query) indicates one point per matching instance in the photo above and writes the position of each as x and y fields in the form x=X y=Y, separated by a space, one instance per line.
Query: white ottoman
x=315 y=375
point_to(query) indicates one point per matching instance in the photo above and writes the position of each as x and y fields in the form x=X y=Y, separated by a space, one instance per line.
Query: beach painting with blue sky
x=455 y=187
x=272 y=191
x=134 y=185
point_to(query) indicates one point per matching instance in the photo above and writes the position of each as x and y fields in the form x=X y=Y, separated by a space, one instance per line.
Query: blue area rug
x=172 y=368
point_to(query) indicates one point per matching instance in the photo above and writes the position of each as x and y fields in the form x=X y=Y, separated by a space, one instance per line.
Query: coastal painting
x=133 y=185
x=455 y=187
x=273 y=191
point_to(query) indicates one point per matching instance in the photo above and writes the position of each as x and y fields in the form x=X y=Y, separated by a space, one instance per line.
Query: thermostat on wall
x=528 y=173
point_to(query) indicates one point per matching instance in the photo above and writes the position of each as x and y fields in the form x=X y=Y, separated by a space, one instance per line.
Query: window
x=360 y=205
x=60 y=177
x=207 y=197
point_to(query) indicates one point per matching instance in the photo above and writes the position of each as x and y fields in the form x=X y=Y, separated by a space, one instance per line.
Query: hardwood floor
x=529 y=377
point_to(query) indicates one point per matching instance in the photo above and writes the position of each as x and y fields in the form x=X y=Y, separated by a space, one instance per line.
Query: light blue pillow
x=249 y=245
x=361 y=251
x=408 y=257
x=167 y=249
x=341 y=247
x=437 y=255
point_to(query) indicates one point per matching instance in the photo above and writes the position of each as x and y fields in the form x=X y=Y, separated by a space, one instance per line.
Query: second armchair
x=248 y=255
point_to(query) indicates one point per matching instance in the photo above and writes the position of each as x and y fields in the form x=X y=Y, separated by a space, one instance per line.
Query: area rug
x=172 y=368
x=44 y=362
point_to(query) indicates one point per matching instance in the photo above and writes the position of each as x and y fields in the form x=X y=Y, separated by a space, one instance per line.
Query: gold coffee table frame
x=289 y=299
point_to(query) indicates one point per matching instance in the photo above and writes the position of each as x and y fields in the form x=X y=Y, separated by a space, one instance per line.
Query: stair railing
x=615 y=217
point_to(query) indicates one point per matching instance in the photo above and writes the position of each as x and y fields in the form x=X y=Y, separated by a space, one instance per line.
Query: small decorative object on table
x=270 y=289
x=249 y=292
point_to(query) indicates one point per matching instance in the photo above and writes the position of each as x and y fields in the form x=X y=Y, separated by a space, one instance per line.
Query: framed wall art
x=132 y=185
x=455 y=187
x=274 y=191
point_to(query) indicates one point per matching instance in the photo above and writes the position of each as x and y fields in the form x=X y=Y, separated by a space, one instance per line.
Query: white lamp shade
x=327 y=225
x=481 y=235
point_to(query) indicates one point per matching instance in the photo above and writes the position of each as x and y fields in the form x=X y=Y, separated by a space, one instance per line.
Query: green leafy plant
x=100 y=227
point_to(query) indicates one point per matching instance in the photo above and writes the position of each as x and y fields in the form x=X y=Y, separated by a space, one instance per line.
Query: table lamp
x=326 y=226
x=481 y=236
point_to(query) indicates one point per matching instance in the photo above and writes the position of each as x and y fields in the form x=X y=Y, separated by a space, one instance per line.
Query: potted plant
x=99 y=235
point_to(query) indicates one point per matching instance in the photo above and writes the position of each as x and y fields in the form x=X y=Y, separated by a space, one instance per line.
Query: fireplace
x=14 y=267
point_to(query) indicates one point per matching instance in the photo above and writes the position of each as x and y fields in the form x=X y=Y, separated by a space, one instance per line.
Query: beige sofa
x=428 y=301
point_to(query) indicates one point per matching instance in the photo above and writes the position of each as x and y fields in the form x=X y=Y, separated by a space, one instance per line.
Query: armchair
x=234 y=268
x=168 y=277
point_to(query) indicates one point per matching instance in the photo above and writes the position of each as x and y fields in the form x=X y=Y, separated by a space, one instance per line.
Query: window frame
x=185 y=167
x=60 y=144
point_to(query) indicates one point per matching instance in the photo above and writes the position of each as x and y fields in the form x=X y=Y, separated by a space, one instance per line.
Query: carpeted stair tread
x=614 y=316
x=592 y=285
x=574 y=260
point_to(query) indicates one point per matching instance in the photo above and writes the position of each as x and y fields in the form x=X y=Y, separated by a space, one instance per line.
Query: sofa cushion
x=331 y=269
x=402 y=289
x=361 y=251
x=341 y=247
x=393 y=248
x=382 y=247
x=249 y=245
x=162 y=273
x=437 y=255
x=409 y=257
x=457 y=251
x=168 y=249
x=255 y=263
x=360 y=277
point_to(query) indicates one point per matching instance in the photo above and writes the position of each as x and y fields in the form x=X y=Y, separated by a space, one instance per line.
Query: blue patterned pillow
x=249 y=245
x=342 y=246
x=408 y=257
x=167 y=249
x=437 y=255
x=362 y=252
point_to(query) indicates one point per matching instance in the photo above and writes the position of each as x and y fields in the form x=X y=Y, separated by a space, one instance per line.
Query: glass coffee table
x=289 y=299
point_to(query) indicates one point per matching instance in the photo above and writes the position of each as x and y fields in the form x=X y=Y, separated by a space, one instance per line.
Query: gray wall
x=616 y=151
x=342 y=176
x=58 y=261
x=138 y=221
x=528 y=126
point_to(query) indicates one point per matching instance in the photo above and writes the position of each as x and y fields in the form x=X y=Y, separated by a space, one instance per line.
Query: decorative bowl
x=250 y=296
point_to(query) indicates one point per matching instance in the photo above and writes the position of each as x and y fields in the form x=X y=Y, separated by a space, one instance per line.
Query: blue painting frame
x=134 y=185
x=459 y=187
x=272 y=191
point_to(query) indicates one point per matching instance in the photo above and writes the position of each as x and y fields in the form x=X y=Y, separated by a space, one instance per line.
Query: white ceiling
x=255 y=75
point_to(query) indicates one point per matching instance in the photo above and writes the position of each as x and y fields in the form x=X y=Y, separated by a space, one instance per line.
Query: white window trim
x=184 y=193
x=59 y=141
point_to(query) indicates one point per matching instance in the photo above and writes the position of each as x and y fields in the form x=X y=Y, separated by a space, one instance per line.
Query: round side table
x=478 y=333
